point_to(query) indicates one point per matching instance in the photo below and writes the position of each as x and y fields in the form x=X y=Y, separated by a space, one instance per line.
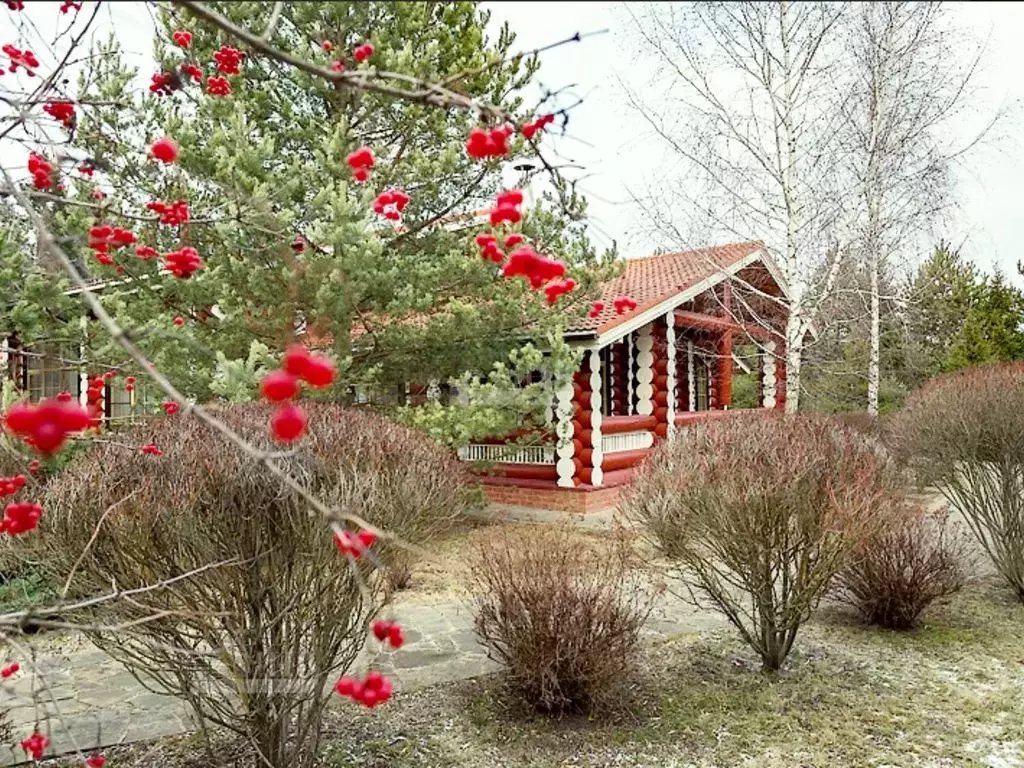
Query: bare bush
x=965 y=432
x=759 y=513
x=271 y=612
x=915 y=558
x=564 y=618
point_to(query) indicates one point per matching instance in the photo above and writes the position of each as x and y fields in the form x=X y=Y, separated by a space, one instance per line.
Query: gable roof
x=656 y=280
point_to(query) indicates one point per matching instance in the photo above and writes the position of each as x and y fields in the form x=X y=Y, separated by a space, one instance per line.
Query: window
x=700 y=375
x=48 y=373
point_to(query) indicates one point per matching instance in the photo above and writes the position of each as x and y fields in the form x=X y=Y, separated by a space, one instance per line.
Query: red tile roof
x=653 y=279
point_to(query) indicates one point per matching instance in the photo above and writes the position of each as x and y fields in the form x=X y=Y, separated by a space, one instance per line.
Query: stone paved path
x=101 y=704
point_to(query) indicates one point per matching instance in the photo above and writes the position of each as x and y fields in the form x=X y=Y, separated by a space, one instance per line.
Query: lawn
x=946 y=694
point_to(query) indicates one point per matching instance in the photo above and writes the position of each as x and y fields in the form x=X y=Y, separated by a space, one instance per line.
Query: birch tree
x=910 y=78
x=745 y=104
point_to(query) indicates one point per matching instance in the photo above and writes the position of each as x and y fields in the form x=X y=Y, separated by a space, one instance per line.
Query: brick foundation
x=575 y=500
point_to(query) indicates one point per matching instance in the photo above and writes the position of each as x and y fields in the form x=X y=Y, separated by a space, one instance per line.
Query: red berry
x=368 y=697
x=381 y=629
x=288 y=423
x=296 y=359
x=363 y=52
x=279 y=385
x=327 y=45
x=373 y=680
x=182 y=38
x=395 y=636
x=319 y=372
x=164 y=150
x=366 y=539
x=9 y=670
x=170 y=407
x=48 y=437
x=361 y=175
x=96 y=761
x=179 y=321
x=33 y=466
x=337 y=66
x=20 y=418
x=345 y=686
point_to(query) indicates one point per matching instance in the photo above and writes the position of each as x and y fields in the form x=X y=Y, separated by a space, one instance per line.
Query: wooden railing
x=508 y=454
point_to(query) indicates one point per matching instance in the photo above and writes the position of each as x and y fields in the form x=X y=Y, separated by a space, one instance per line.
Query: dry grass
x=945 y=695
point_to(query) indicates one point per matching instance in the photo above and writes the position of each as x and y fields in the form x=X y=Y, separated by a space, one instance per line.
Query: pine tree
x=264 y=168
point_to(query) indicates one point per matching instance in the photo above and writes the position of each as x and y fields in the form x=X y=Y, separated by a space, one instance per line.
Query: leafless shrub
x=913 y=559
x=965 y=431
x=562 y=617
x=759 y=513
x=252 y=642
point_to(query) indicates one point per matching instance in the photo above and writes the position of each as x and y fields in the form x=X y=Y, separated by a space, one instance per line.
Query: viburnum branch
x=47 y=243
x=419 y=91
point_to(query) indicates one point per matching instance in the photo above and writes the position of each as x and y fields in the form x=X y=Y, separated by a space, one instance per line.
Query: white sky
x=618 y=154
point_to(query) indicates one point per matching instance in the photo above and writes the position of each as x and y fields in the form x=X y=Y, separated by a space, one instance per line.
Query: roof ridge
x=758 y=243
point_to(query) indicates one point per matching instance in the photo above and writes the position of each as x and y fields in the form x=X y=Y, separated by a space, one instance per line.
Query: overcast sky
x=618 y=154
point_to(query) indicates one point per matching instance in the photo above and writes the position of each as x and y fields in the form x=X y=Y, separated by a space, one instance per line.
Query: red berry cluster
x=183 y=262
x=151 y=449
x=18 y=57
x=94 y=401
x=20 y=517
x=279 y=386
x=170 y=407
x=390 y=632
x=164 y=149
x=228 y=60
x=35 y=745
x=11 y=485
x=354 y=545
x=506 y=208
x=390 y=204
x=596 y=308
x=374 y=689
x=67 y=5
x=361 y=161
x=105 y=237
x=559 y=288
x=489 y=248
x=193 y=71
x=61 y=110
x=164 y=83
x=492 y=143
x=530 y=129
x=537 y=269
x=218 y=86
x=41 y=170
x=146 y=252
x=170 y=213
x=10 y=670
x=15 y=5
x=362 y=52
x=182 y=37
x=129 y=384
x=86 y=170
x=46 y=426
x=623 y=304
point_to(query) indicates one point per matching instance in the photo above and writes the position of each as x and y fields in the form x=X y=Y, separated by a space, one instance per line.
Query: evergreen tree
x=285 y=233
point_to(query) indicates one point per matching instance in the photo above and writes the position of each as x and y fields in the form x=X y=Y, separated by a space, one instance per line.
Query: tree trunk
x=874 y=353
x=794 y=350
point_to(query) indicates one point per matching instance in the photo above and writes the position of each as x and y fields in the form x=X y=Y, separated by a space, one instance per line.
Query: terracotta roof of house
x=653 y=279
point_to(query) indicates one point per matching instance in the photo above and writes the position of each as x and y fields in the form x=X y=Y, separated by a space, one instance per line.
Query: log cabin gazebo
x=665 y=364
